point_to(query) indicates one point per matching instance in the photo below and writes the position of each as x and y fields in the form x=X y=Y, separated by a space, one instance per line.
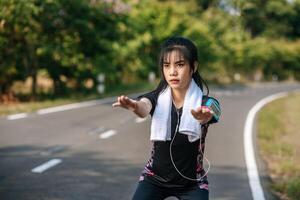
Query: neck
x=178 y=97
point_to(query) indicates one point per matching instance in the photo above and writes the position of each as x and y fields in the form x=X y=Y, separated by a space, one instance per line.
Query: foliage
x=20 y=34
x=75 y=41
x=278 y=18
x=72 y=41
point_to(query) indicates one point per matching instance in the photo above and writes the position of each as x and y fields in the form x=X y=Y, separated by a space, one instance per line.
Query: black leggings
x=148 y=191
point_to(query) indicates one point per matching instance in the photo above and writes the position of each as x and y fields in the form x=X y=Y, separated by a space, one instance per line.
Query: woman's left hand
x=203 y=114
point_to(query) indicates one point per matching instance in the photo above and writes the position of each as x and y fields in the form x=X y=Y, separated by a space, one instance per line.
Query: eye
x=180 y=65
x=166 y=65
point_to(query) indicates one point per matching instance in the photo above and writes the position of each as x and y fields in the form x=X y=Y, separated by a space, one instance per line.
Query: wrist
x=134 y=107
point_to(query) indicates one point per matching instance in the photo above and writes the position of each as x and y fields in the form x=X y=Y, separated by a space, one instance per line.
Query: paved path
x=96 y=152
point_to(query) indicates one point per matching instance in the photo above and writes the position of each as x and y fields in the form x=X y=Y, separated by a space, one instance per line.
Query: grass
x=279 y=144
x=31 y=106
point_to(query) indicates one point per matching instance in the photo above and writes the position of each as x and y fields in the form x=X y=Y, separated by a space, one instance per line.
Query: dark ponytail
x=200 y=81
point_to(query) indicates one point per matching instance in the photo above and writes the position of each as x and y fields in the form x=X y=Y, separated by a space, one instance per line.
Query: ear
x=195 y=66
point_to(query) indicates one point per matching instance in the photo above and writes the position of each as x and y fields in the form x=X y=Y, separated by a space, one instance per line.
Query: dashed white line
x=96 y=130
x=45 y=166
x=63 y=108
x=68 y=107
x=107 y=134
x=253 y=176
x=17 y=116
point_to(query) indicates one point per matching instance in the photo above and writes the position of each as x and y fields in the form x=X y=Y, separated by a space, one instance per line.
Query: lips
x=174 y=81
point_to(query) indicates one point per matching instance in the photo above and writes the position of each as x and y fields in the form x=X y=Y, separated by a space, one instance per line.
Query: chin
x=175 y=86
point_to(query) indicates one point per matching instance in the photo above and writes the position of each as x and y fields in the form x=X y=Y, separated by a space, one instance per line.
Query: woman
x=178 y=127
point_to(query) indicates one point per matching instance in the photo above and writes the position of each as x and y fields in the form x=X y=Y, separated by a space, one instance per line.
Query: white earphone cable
x=171 y=156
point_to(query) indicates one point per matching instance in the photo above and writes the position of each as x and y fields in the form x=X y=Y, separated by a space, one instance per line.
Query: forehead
x=174 y=55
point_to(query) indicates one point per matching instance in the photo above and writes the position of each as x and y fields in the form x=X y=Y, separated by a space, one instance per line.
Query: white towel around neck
x=161 y=119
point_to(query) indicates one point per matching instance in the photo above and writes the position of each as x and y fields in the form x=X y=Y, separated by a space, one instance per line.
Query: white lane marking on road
x=77 y=105
x=107 y=134
x=45 y=166
x=67 y=107
x=253 y=176
x=17 y=116
x=140 y=120
x=74 y=106
x=96 y=130
x=62 y=108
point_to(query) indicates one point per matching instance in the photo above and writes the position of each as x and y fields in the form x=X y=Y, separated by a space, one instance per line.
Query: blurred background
x=55 y=52
x=54 y=48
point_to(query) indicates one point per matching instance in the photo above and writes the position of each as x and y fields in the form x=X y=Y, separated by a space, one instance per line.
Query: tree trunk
x=34 y=85
x=58 y=86
x=33 y=73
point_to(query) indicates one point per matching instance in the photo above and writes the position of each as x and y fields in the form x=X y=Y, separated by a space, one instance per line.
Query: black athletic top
x=160 y=170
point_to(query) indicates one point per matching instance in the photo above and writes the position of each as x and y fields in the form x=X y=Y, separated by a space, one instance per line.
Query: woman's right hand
x=125 y=102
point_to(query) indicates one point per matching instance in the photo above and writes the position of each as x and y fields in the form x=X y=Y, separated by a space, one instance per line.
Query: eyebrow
x=177 y=62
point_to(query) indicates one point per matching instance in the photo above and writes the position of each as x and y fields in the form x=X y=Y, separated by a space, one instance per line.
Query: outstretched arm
x=141 y=108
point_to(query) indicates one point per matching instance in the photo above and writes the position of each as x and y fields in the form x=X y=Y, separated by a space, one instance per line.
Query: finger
x=202 y=109
x=123 y=100
x=118 y=99
x=197 y=111
x=208 y=111
x=208 y=116
x=201 y=116
x=205 y=109
x=116 y=104
x=121 y=97
x=194 y=113
x=128 y=101
x=197 y=115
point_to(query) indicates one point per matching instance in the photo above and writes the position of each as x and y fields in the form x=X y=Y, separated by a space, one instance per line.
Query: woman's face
x=177 y=71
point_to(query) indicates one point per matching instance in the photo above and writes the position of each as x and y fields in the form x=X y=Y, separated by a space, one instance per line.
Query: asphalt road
x=100 y=151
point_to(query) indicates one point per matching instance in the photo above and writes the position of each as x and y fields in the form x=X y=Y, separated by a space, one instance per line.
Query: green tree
x=78 y=41
x=274 y=19
x=20 y=38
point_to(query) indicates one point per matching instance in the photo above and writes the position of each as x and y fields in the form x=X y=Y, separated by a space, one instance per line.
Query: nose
x=173 y=71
